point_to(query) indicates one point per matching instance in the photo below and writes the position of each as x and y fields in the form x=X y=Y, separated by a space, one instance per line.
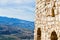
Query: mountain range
x=22 y=29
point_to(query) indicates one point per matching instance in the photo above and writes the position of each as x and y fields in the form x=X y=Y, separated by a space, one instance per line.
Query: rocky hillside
x=15 y=27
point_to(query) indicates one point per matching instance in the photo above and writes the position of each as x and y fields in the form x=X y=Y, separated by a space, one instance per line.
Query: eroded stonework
x=47 y=18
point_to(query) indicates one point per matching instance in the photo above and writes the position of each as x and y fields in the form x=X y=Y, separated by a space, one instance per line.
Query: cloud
x=21 y=9
x=15 y=1
x=16 y=13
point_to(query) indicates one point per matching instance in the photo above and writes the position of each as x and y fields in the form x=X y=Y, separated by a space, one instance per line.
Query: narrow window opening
x=39 y=34
x=54 y=36
x=53 y=13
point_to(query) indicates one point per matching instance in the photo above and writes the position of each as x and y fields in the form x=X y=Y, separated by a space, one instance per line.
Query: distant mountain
x=16 y=27
x=17 y=22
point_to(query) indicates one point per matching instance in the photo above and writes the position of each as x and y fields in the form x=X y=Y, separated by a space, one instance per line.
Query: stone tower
x=47 y=22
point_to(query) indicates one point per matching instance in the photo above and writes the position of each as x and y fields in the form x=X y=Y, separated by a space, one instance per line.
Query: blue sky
x=21 y=9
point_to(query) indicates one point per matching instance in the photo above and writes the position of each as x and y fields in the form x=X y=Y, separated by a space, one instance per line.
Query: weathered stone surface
x=45 y=21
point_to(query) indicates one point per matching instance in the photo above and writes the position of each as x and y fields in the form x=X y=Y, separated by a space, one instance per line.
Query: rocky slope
x=15 y=27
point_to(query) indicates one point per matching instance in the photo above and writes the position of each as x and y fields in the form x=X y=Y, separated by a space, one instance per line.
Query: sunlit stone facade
x=47 y=19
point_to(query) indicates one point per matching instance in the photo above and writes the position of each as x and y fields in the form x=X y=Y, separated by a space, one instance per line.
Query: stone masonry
x=47 y=18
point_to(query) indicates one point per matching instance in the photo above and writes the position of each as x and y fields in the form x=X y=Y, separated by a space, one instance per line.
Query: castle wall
x=48 y=24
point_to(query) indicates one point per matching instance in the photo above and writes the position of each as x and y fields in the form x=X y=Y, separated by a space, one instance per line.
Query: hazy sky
x=21 y=9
